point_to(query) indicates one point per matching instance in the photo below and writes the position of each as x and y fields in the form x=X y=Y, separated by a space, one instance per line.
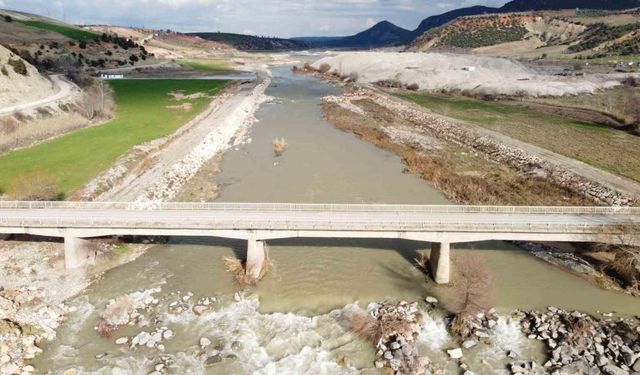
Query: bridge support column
x=256 y=256
x=77 y=252
x=440 y=262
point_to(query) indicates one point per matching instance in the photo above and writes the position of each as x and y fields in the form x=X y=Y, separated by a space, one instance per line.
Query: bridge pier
x=256 y=257
x=440 y=262
x=77 y=252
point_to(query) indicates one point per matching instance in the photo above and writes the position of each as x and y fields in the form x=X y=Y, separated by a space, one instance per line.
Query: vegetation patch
x=69 y=32
x=592 y=143
x=206 y=65
x=495 y=30
x=18 y=66
x=141 y=116
x=600 y=33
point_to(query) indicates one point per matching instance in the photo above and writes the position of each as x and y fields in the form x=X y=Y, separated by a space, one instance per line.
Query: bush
x=36 y=186
x=18 y=66
x=8 y=19
x=324 y=68
x=8 y=125
x=4 y=70
x=413 y=87
x=133 y=58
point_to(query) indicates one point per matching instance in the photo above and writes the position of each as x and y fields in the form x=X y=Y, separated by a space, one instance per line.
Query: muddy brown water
x=293 y=329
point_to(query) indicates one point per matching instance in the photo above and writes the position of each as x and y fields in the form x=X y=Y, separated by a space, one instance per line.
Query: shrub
x=82 y=45
x=36 y=186
x=8 y=125
x=18 y=66
x=413 y=87
x=8 y=18
x=279 y=145
x=133 y=58
x=4 y=70
x=324 y=68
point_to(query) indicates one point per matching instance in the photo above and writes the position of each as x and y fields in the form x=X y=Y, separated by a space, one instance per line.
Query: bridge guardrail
x=316 y=207
x=309 y=225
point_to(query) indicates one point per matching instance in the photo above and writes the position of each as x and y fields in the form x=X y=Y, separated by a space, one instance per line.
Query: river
x=290 y=322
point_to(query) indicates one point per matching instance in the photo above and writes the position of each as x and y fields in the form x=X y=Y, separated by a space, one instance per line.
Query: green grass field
x=205 y=65
x=70 y=32
x=141 y=116
x=591 y=143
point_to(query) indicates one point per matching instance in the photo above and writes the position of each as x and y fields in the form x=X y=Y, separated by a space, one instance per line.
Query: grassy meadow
x=207 y=65
x=592 y=143
x=69 y=32
x=141 y=116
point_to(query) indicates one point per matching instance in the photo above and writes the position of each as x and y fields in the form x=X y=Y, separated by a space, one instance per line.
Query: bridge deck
x=231 y=216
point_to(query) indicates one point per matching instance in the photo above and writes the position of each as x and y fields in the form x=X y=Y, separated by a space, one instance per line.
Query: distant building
x=469 y=68
x=111 y=76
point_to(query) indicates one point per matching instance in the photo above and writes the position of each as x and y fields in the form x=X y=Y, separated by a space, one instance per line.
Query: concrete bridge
x=258 y=222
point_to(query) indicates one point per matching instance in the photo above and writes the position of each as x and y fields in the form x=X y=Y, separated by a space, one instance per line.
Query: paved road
x=65 y=89
x=311 y=218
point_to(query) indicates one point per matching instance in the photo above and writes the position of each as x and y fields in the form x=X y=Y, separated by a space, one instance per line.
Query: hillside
x=381 y=34
x=20 y=81
x=253 y=43
x=441 y=19
x=526 y=5
x=550 y=33
x=51 y=45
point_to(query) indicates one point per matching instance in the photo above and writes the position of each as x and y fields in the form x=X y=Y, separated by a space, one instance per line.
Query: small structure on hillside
x=469 y=68
x=111 y=76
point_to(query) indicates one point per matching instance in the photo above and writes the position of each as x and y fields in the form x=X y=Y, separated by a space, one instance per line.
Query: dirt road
x=65 y=90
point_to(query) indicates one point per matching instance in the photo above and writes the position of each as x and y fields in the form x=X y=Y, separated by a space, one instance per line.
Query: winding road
x=65 y=89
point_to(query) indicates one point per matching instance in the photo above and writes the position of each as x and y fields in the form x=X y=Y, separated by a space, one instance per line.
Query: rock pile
x=398 y=329
x=151 y=339
x=125 y=310
x=24 y=323
x=578 y=342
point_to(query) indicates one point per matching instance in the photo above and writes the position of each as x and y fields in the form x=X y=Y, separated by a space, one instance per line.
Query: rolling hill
x=253 y=43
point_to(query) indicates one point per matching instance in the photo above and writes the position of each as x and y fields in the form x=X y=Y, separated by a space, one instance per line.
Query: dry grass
x=17 y=134
x=36 y=186
x=237 y=268
x=364 y=326
x=104 y=329
x=279 y=146
x=462 y=176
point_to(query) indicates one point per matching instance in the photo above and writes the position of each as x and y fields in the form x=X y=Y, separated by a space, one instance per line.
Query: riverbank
x=472 y=168
x=34 y=289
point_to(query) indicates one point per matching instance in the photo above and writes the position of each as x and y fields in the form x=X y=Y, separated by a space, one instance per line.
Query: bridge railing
x=320 y=207
x=177 y=223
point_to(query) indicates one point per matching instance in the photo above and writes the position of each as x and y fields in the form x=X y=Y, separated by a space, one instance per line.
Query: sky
x=282 y=18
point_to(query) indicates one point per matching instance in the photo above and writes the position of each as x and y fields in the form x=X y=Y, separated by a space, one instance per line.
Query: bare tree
x=472 y=289
x=627 y=254
x=96 y=101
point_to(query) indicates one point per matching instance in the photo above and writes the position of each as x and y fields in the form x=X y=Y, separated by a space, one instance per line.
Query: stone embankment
x=524 y=161
x=580 y=344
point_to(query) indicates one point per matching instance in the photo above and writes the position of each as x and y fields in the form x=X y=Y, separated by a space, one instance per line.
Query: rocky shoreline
x=35 y=286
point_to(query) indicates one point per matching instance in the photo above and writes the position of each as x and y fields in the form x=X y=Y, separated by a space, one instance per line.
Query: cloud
x=283 y=18
x=370 y=22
